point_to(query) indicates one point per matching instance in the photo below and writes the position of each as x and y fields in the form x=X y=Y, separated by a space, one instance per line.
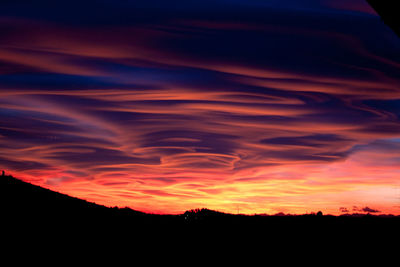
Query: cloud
x=369 y=210
x=343 y=209
x=232 y=102
x=365 y=209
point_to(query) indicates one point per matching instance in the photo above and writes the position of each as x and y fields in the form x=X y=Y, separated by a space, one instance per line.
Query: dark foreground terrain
x=33 y=209
x=39 y=225
x=389 y=11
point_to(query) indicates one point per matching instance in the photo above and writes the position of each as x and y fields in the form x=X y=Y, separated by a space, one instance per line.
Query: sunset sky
x=249 y=106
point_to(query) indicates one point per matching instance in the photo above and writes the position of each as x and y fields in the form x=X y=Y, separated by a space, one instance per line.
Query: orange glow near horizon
x=292 y=189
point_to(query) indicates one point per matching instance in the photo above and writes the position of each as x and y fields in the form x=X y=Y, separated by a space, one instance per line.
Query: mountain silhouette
x=389 y=12
x=48 y=223
x=32 y=213
x=24 y=203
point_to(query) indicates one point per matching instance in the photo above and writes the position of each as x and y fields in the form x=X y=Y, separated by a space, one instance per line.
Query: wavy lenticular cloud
x=266 y=108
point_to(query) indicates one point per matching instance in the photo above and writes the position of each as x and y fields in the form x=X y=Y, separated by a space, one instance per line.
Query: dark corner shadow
x=29 y=208
x=389 y=12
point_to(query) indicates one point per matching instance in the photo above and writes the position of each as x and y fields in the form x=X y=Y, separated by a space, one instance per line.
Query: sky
x=241 y=106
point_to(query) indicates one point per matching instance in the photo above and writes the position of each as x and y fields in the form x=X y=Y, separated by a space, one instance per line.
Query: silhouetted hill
x=29 y=209
x=28 y=205
x=389 y=12
x=25 y=199
x=23 y=195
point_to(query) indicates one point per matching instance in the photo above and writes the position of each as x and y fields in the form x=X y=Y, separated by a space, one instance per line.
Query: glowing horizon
x=291 y=106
